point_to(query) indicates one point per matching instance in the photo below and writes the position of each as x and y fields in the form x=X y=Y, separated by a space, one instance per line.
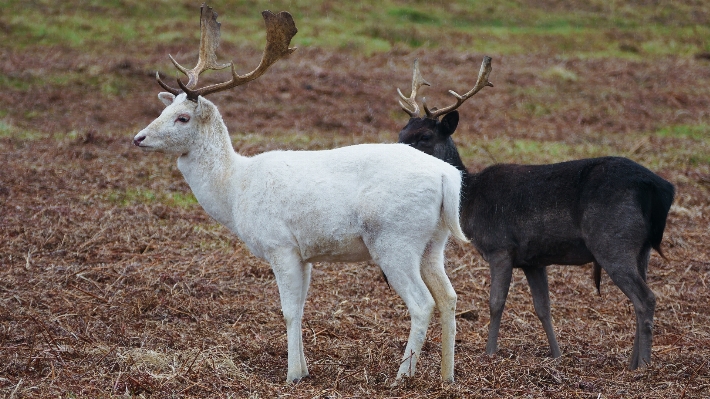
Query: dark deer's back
x=546 y=214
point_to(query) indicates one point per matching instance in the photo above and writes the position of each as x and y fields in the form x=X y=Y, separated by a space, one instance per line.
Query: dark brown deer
x=609 y=211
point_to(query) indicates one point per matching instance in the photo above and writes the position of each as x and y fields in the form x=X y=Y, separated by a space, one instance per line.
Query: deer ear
x=449 y=123
x=166 y=98
x=204 y=108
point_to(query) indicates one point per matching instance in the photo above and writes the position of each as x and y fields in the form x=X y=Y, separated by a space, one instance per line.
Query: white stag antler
x=280 y=28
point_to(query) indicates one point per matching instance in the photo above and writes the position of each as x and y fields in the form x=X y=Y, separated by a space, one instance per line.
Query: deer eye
x=183 y=118
x=426 y=137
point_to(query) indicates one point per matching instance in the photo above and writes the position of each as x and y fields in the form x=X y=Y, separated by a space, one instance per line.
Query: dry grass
x=114 y=283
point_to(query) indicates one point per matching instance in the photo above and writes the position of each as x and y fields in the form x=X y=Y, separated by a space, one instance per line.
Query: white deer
x=389 y=203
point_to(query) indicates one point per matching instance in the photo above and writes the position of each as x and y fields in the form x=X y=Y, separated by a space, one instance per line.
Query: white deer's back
x=325 y=201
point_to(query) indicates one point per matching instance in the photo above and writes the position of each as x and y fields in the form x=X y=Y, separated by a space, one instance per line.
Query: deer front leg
x=293 y=279
x=501 y=273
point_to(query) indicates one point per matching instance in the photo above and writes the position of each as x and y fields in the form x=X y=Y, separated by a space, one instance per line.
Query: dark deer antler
x=417 y=82
x=280 y=28
x=481 y=82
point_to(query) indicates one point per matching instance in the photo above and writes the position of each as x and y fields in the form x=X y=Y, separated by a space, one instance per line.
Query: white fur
x=387 y=202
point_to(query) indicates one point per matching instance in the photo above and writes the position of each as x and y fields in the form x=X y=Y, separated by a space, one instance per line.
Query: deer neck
x=211 y=169
x=450 y=154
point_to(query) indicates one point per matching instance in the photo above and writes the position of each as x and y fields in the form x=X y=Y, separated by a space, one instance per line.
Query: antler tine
x=207 y=59
x=209 y=42
x=164 y=86
x=481 y=82
x=280 y=29
x=417 y=82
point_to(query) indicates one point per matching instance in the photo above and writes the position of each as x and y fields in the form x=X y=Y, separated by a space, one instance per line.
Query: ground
x=114 y=282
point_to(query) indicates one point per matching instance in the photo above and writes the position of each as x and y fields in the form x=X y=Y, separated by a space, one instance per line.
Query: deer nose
x=138 y=140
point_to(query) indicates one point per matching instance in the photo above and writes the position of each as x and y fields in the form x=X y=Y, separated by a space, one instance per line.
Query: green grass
x=560 y=73
x=696 y=132
x=110 y=84
x=693 y=148
x=412 y=15
x=143 y=196
x=577 y=28
x=14 y=82
x=670 y=148
x=507 y=150
x=7 y=130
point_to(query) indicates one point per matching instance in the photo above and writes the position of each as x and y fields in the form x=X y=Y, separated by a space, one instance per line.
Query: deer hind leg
x=293 y=279
x=624 y=273
x=639 y=358
x=437 y=281
x=642 y=261
x=537 y=279
x=501 y=273
x=618 y=242
x=401 y=267
x=307 y=267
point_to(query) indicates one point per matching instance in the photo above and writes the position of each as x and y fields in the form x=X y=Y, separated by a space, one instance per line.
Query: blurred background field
x=625 y=29
x=114 y=282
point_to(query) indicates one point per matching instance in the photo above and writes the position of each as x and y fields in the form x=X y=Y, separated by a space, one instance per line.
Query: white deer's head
x=180 y=126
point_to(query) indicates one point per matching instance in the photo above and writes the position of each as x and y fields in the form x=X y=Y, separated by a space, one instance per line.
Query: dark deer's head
x=429 y=134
